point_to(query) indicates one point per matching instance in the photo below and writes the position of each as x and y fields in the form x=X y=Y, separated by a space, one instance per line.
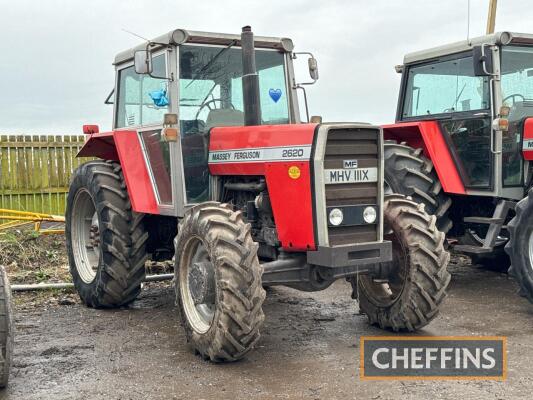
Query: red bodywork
x=428 y=136
x=527 y=148
x=125 y=147
x=290 y=197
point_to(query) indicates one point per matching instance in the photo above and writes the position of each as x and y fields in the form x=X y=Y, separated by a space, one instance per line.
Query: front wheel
x=408 y=292
x=218 y=282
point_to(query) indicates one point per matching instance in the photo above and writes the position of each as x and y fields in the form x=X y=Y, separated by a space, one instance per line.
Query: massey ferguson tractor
x=208 y=163
x=462 y=145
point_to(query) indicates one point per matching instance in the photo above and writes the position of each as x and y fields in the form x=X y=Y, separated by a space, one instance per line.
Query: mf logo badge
x=349 y=164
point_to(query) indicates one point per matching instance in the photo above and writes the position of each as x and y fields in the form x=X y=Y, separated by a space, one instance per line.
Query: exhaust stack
x=250 y=79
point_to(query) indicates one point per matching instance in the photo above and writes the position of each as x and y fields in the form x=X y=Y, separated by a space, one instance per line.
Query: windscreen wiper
x=206 y=67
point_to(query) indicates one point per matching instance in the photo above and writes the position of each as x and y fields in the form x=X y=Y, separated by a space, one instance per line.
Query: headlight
x=335 y=217
x=369 y=215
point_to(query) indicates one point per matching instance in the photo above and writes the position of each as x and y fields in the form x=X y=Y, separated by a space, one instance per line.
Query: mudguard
x=427 y=135
x=125 y=147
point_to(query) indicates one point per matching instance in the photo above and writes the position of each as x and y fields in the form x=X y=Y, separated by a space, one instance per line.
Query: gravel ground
x=308 y=349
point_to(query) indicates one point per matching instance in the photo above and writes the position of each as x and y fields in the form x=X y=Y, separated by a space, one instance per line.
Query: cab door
x=142 y=102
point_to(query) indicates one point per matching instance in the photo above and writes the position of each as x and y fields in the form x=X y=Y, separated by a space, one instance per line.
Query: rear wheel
x=218 y=282
x=520 y=245
x=106 y=239
x=408 y=172
x=408 y=292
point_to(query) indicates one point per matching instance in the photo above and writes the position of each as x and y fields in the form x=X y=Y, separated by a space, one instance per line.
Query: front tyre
x=520 y=245
x=218 y=282
x=106 y=240
x=409 y=291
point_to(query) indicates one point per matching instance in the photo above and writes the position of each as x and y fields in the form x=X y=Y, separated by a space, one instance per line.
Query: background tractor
x=462 y=145
x=208 y=163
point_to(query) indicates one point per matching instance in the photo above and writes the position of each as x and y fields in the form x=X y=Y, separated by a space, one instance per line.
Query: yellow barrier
x=18 y=218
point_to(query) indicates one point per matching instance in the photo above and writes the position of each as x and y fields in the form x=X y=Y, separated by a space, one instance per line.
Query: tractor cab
x=479 y=93
x=196 y=76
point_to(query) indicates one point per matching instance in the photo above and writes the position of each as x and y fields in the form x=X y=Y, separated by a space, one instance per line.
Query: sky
x=56 y=56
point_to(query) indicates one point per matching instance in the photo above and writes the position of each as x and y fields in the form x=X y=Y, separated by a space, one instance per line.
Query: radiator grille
x=352 y=144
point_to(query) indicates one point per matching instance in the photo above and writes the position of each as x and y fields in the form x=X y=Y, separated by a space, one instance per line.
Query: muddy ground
x=309 y=348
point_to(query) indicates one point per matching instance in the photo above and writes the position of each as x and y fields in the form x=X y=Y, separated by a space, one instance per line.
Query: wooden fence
x=35 y=171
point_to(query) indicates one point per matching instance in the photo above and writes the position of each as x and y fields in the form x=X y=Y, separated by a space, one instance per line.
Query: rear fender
x=427 y=135
x=125 y=147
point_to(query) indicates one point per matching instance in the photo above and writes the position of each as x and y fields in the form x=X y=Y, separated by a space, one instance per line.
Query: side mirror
x=313 y=68
x=142 y=60
x=482 y=58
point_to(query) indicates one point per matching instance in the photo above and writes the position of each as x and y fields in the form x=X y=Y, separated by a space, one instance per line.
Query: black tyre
x=520 y=245
x=6 y=328
x=409 y=172
x=106 y=240
x=218 y=282
x=409 y=291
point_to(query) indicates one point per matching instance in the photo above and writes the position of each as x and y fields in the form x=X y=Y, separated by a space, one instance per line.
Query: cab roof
x=499 y=38
x=180 y=36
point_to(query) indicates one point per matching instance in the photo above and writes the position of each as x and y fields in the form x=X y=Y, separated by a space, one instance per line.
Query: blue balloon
x=159 y=97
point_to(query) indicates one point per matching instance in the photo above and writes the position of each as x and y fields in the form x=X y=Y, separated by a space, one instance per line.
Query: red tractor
x=462 y=145
x=208 y=163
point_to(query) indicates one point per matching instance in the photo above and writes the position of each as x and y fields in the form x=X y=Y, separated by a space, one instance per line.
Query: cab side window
x=142 y=99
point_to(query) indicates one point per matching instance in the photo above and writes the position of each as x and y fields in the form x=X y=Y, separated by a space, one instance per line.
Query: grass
x=30 y=257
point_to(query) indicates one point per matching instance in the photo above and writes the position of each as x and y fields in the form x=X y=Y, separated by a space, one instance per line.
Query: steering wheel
x=513 y=96
x=208 y=105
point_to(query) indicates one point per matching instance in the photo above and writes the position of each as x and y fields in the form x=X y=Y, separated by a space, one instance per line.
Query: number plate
x=354 y=175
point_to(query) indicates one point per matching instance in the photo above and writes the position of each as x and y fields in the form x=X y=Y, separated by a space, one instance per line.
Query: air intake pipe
x=250 y=79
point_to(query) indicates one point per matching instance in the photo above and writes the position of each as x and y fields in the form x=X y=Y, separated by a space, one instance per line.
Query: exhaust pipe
x=250 y=79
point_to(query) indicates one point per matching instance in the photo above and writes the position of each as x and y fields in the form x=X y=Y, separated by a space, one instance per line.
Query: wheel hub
x=202 y=283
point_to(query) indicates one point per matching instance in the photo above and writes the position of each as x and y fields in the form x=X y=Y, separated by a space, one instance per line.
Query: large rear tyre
x=6 y=328
x=520 y=245
x=106 y=240
x=409 y=291
x=409 y=172
x=218 y=282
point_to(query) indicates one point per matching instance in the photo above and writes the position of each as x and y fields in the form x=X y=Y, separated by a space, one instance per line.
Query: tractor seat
x=224 y=117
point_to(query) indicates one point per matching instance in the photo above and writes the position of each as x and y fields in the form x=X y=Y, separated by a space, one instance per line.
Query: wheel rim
x=197 y=285
x=387 y=288
x=85 y=236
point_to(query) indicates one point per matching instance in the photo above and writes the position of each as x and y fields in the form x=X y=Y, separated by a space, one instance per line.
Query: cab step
x=483 y=220
x=495 y=223
x=469 y=249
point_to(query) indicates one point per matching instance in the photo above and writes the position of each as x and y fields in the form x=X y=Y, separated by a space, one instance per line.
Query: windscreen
x=210 y=86
x=444 y=87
